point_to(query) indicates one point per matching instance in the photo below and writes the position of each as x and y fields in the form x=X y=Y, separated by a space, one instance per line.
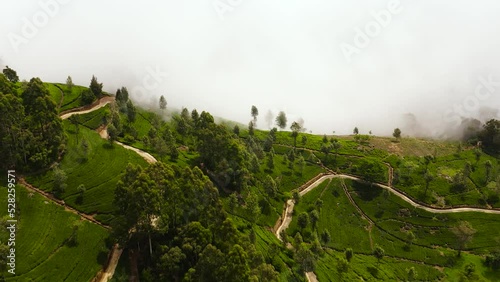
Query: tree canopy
x=281 y=120
x=31 y=131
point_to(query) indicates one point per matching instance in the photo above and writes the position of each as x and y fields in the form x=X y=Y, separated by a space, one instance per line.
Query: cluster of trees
x=225 y=157
x=89 y=95
x=31 y=133
x=176 y=215
x=490 y=136
x=122 y=116
x=329 y=145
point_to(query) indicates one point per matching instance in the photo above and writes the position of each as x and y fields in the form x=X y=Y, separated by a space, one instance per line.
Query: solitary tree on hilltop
x=95 y=87
x=397 y=133
x=281 y=120
x=296 y=128
x=355 y=131
x=163 y=103
x=254 y=113
x=11 y=74
x=69 y=83
x=464 y=233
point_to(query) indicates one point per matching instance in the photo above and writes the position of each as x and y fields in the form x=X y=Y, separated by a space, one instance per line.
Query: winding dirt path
x=107 y=273
x=87 y=109
x=117 y=251
x=103 y=132
x=290 y=205
x=114 y=256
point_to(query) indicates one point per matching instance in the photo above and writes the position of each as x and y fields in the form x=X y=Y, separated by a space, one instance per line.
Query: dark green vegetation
x=467 y=177
x=52 y=244
x=31 y=134
x=92 y=161
x=206 y=210
x=409 y=237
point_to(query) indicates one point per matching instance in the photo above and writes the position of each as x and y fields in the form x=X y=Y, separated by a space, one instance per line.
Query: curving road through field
x=288 y=210
x=107 y=273
x=87 y=109
x=290 y=205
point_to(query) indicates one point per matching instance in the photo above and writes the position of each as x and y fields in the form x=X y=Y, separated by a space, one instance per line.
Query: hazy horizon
x=225 y=56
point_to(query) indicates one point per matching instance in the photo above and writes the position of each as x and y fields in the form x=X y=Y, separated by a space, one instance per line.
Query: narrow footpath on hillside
x=87 y=109
x=114 y=256
x=288 y=210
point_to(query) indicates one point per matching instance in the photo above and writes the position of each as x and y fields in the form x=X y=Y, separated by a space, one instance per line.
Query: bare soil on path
x=87 y=109
x=290 y=205
x=116 y=252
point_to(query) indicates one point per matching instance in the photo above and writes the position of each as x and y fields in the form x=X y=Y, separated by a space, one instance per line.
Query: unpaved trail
x=290 y=205
x=108 y=273
x=103 y=132
x=87 y=109
x=288 y=218
x=311 y=277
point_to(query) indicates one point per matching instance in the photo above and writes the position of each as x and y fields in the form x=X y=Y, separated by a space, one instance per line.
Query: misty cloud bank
x=421 y=66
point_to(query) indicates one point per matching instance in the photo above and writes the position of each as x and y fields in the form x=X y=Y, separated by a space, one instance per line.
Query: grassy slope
x=94 y=119
x=444 y=168
x=289 y=180
x=349 y=230
x=99 y=173
x=431 y=230
x=55 y=93
x=41 y=251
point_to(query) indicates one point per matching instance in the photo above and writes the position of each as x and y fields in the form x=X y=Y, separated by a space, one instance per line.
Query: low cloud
x=278 y=55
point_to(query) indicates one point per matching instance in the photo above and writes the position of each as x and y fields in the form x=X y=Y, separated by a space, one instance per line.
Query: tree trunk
x=150 y=246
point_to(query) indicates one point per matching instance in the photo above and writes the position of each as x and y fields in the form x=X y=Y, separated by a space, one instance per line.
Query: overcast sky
x=306 y=58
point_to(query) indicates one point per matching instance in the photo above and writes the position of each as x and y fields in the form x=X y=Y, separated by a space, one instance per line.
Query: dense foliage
x=193 y=237
x=31 y=132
